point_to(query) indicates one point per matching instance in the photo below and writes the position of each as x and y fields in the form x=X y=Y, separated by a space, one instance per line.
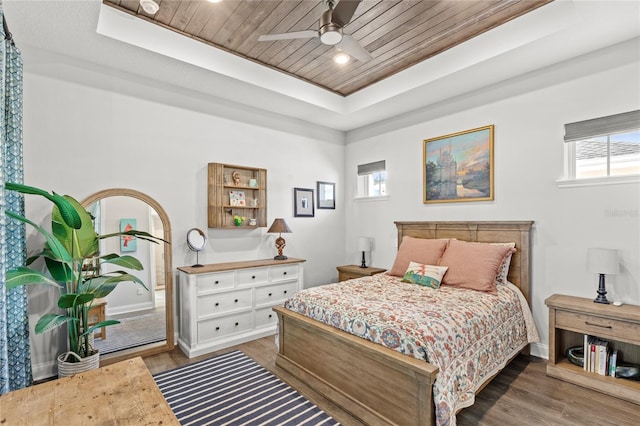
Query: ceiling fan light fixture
x=330 y=34
x=149 y=6
x=341 y=58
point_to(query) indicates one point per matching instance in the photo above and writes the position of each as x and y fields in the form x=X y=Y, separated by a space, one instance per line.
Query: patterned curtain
x=15 y=359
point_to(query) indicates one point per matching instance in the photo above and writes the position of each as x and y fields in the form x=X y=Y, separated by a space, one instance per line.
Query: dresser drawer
x=218 y=281
x=220 y=303
x=623 y=331
x=284 y=273
x=266 y=316
x=223 y=326
x=253 y=276
x=274 y=294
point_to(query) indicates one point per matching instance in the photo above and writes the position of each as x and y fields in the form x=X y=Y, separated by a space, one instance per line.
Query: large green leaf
x=67 y=211
x=24 y=276
x=57 y=249
x=48 y=322
x=135 y=233
x=128 y=262
x=100 y=325
x=80 y=242
x=73 y=300
x=103 y=285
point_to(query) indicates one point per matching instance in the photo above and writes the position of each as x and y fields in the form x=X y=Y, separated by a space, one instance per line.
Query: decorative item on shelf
x=575 y=355
x=196 y=241
x=253 y=222
x=364 y=244
x=253 y=183
x=279 y=226
x=238 y=220
x=237 y=199
x=236 y=178
x=602 y=261
x=71 y=245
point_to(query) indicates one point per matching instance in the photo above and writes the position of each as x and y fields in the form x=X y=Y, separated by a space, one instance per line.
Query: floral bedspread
x=468 y=335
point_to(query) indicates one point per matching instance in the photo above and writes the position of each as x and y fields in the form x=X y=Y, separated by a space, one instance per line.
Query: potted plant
x=72 y=257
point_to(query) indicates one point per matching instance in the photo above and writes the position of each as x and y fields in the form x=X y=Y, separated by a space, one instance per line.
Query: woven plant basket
x=67 y=368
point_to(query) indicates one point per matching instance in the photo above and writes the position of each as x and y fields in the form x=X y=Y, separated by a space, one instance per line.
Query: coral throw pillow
x=473 y=265
x=426 y=275
x=419 y=250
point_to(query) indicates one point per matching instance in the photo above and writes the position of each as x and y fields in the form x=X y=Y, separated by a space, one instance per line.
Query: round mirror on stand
x=145 y=314
x=196 y=240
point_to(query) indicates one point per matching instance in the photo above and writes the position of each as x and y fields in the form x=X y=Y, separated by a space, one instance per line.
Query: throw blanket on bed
x=468 y=335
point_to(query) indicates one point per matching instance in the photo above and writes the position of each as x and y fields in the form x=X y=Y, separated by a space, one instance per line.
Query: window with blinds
x=372 y=179
x=604 y=147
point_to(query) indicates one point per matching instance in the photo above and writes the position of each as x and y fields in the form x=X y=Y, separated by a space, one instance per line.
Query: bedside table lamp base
x=602 y=298
x=364 y=263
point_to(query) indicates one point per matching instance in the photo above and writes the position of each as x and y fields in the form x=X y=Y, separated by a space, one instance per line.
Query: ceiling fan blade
x=344 y=11
x=289 y=36
x=352 y=47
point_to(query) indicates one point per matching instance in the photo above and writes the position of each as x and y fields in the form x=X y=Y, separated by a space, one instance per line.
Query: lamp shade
x=602 y=261
x=279 y=226
x=364 y=244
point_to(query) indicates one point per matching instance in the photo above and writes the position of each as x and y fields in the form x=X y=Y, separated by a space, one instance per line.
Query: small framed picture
x=303 y=202
x=326 y=195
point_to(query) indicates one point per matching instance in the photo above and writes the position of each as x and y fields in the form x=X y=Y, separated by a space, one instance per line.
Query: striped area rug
x=232 y=389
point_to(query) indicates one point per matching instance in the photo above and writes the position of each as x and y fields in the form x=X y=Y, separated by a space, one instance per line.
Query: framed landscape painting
x=459 y=167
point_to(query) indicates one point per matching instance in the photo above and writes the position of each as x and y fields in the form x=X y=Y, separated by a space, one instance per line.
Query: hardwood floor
x=521 y=394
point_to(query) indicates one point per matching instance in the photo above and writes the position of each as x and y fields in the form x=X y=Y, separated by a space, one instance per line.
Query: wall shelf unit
x=236 y=191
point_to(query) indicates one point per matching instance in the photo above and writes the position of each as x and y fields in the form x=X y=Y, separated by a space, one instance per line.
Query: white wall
x=528 y=161
x=79 y=140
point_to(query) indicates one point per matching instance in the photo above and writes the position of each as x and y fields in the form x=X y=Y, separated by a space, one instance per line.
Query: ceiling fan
x=332 y=21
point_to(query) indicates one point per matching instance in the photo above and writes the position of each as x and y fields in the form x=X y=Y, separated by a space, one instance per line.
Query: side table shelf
x=570 y=319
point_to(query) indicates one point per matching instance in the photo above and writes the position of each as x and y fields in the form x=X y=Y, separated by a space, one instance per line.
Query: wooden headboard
x=518 y=232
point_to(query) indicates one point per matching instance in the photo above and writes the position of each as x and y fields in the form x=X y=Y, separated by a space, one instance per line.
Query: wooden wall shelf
x=248 y=182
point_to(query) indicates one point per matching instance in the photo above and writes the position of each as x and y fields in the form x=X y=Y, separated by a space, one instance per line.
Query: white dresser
x=224 y=304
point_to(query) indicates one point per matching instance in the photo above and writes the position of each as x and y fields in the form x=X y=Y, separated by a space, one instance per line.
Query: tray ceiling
x=397 y=34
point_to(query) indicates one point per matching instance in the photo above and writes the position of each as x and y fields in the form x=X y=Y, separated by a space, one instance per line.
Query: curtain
x=15 y=358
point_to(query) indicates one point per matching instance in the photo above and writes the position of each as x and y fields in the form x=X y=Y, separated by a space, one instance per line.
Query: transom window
x=372 y=179
x=604 y=147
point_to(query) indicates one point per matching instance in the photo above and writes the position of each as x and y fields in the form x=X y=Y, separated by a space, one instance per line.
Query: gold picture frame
x=459 y=167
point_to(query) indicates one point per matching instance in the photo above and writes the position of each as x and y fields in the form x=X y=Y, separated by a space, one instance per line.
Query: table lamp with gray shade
x=364 y=244
x=602 y=261
x=279 y=226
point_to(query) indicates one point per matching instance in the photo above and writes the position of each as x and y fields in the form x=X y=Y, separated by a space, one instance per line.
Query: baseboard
x=539 y=350
x=44 y=370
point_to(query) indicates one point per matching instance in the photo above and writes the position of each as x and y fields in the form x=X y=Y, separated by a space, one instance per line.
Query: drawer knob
x=269 y=294
x=597 y=325
x=217 y=282
x=285 y=292
x=236 y=300
x=217 y=303
x=217 y=328
x=237 y=324
x=284 y=273
x=253 y=277
x=270 y=315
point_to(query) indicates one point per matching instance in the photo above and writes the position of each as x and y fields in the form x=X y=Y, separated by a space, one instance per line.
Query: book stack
x=599 y=357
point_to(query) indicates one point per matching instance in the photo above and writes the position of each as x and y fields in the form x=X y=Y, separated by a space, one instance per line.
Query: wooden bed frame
x=375 y=384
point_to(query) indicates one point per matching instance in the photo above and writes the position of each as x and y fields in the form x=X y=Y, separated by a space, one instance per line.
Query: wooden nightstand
x=348 y=272
x=570 y=318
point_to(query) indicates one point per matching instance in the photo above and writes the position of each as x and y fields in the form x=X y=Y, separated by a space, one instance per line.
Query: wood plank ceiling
x=397 y=33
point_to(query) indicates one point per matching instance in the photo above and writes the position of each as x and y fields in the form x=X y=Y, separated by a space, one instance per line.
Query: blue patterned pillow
x=426 y=275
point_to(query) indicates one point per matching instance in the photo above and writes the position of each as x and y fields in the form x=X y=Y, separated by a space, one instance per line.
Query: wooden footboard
x=375 y=384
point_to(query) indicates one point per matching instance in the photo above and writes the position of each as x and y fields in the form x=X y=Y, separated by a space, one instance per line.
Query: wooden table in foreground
x=119 y=394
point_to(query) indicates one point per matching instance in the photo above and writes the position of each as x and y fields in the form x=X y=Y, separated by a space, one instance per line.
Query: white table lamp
x=602 y=261
x=364 y=244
